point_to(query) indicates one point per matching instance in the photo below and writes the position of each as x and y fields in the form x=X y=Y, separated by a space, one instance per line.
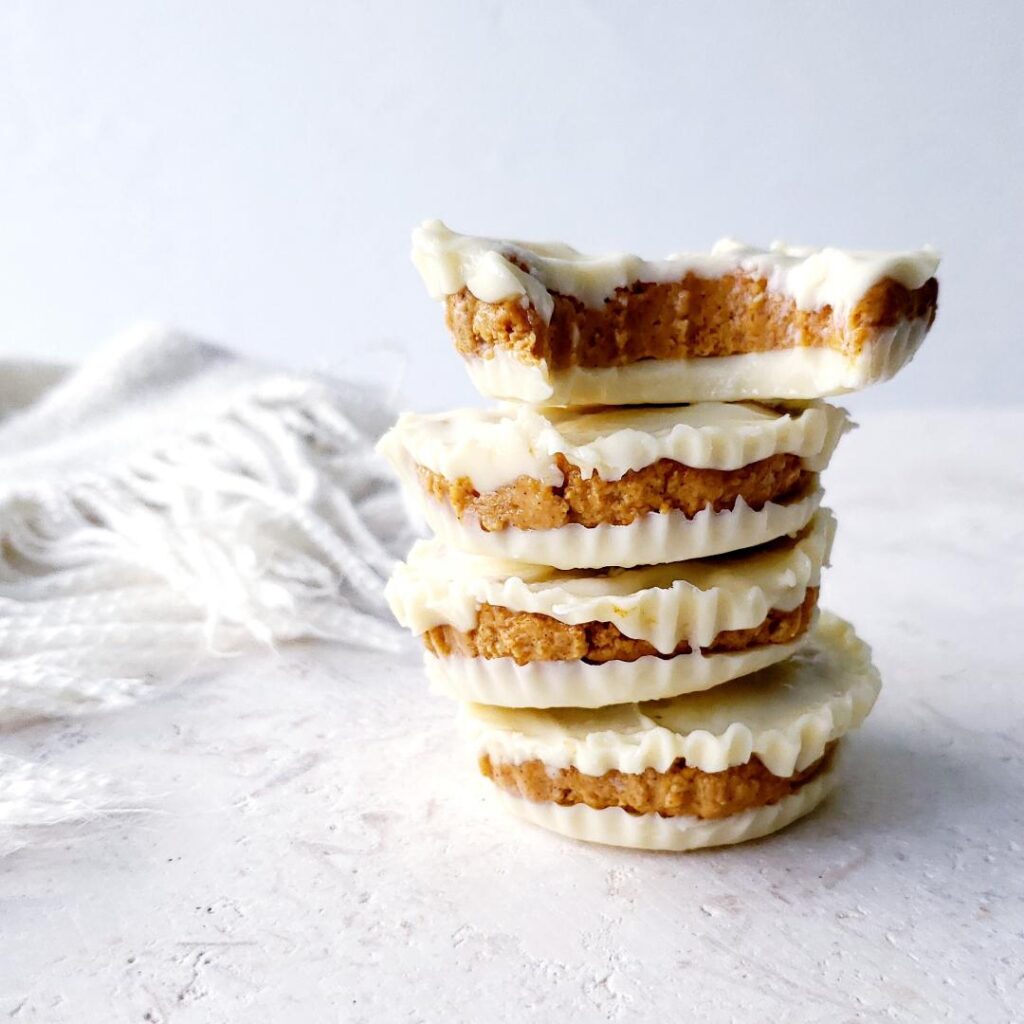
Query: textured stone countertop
x=318 y=847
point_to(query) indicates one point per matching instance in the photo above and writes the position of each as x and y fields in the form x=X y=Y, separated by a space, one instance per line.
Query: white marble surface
x=319 y=849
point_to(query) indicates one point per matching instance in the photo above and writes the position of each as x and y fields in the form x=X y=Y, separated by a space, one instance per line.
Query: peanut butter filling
x=680 y=791
x=663 y=486
x=530 y=636
x=694 y=317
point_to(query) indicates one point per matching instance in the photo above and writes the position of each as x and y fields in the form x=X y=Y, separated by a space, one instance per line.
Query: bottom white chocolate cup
x=613 y=826
x=700 y=769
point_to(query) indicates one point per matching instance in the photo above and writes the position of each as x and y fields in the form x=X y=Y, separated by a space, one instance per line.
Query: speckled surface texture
x=318 y=849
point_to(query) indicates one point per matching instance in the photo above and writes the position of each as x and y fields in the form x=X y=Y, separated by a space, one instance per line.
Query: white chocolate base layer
x=652 y=539
x=792 y=374
x=549 y=684
x=616 y=827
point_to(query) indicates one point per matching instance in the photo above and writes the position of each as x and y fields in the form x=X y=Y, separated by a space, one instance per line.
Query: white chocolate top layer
x=813 y=278
x=786 y=714
x=493 y=447
x=663 y=604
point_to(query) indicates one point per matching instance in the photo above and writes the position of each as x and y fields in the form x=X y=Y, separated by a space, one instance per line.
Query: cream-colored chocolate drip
x=492 y=447
x=492 y=269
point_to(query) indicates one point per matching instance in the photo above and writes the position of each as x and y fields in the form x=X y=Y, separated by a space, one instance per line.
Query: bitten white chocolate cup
x=546 y=324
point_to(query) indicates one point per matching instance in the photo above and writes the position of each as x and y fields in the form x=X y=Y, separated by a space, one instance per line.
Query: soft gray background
x=252 y=170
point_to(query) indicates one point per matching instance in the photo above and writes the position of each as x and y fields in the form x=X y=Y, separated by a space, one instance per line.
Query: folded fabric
x=168 y=499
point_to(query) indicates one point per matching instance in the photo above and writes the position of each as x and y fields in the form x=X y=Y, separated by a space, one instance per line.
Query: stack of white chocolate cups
x=624 y=595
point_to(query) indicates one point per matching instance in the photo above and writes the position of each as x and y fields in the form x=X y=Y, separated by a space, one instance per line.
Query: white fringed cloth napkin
x=165 y=502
